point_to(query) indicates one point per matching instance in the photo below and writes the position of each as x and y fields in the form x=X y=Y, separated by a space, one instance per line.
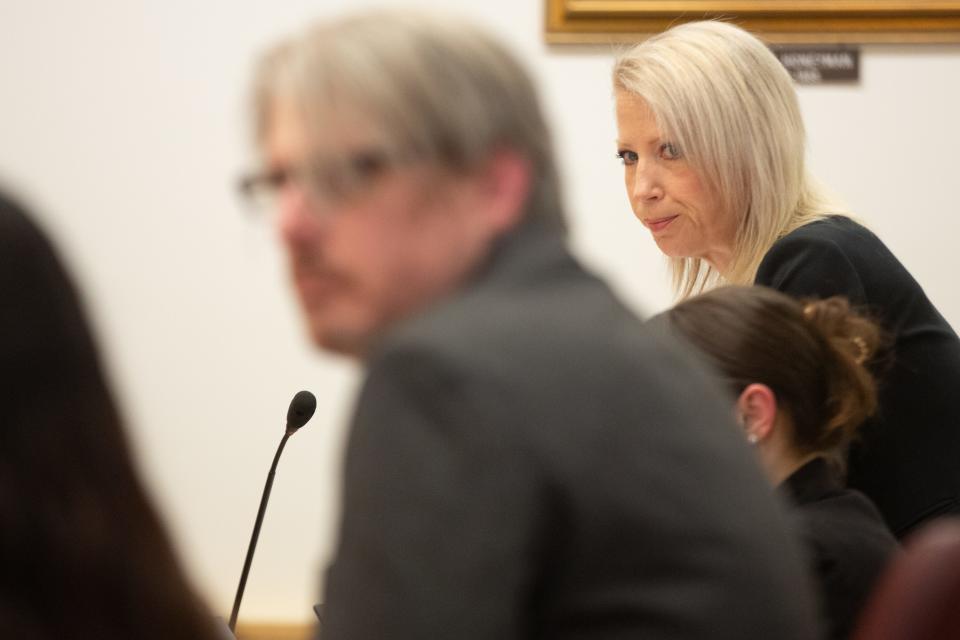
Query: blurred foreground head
x=397 y=147
x=83 y=554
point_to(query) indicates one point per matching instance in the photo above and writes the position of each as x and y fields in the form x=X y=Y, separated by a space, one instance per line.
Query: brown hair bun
x=851 y=341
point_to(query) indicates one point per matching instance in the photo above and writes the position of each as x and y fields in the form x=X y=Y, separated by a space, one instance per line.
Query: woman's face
x=666 y=194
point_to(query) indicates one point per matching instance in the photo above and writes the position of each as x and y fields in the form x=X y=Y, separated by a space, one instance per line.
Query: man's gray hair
x=436 y=87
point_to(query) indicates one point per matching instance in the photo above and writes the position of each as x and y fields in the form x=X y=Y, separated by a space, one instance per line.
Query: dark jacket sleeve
x=438 y=508
x=810 y=266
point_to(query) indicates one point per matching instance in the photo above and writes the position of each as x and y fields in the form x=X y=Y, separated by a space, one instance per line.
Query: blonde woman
x=712 y=143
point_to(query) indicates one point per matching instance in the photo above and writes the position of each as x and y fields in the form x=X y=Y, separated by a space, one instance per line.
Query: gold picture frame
x=776 y=21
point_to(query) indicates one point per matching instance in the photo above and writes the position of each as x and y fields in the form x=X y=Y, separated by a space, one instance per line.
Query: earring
x=752 y=438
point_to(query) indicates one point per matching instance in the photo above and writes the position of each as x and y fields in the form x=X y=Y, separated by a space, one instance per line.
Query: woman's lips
x=658 y=224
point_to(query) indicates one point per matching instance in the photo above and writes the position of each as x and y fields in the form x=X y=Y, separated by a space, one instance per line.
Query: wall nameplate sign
x=816 y=65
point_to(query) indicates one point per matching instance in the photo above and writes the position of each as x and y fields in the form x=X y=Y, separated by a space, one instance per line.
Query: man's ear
x=505 y=183
x=757 y=408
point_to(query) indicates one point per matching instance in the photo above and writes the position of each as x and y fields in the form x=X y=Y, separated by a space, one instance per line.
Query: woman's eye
x=627 y=157
x=668 y=151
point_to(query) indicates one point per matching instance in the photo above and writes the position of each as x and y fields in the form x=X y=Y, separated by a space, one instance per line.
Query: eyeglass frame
x=326 y=179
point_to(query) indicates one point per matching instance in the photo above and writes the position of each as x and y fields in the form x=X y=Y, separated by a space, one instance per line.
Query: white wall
x=124 y=123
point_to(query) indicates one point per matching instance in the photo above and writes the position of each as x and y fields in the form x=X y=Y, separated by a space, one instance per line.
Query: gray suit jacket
x=527 y=461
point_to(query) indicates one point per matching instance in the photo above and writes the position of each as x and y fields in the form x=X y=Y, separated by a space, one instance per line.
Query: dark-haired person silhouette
x=83 y=554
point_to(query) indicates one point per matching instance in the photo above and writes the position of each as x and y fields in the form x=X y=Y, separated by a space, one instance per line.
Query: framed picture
x=777 y=21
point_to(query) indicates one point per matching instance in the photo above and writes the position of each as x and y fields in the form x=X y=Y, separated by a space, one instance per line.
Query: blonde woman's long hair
x=725 y=100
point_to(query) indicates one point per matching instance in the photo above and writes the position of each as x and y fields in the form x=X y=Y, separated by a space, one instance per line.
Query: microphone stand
x=256 y=531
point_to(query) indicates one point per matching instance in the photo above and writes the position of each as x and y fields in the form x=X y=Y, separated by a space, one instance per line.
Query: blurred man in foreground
x=525 y=461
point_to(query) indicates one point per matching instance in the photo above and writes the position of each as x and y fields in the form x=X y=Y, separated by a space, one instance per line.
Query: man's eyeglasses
x=325 y=180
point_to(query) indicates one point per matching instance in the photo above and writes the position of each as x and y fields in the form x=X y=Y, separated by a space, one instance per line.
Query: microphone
x=301 y=410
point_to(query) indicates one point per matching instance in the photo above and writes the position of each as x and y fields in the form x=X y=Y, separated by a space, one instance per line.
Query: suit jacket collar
x=528 y=253
x=524 y=252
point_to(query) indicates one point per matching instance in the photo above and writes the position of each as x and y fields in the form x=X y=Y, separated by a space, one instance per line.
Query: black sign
x=813 y=65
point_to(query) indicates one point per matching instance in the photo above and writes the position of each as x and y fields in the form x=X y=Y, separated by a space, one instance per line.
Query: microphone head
x=301 y=410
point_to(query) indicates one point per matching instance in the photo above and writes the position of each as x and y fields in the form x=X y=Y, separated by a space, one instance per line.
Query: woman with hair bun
x=798 y=371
